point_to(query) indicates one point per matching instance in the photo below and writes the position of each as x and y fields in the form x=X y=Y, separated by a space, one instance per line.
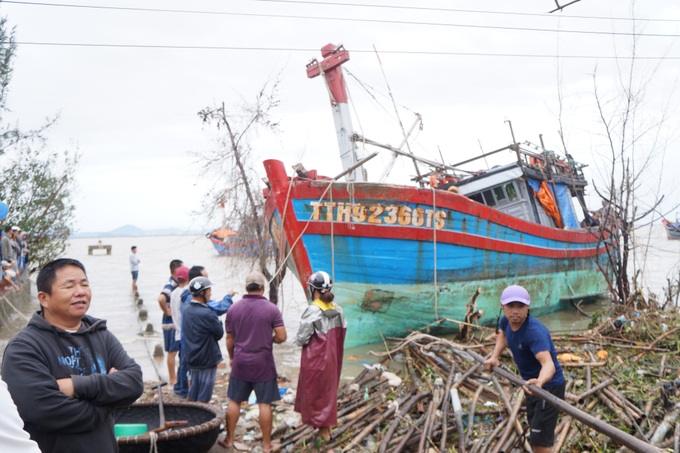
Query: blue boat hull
x=418 y=263
x=391 y=290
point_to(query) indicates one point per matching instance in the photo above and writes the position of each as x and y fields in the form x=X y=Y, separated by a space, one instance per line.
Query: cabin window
x=496 y=196
x=477 y=197
x=488 y=198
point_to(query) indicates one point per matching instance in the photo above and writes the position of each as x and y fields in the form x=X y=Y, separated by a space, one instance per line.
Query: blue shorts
x=134 y=275
x=266 y=392
x=170 y=344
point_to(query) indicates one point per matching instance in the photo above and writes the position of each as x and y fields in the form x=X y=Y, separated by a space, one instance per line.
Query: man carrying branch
x=534 y=353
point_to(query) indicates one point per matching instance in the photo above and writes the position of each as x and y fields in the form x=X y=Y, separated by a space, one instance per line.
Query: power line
x=454 y=10
x=304 y=49
x=345 y=19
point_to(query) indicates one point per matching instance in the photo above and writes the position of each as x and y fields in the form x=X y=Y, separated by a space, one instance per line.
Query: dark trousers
x=182 y=385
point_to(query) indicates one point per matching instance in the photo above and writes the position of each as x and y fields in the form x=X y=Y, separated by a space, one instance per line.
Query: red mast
x=331 y=68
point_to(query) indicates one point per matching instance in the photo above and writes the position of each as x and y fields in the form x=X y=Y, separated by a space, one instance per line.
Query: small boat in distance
x=672 y=229
x=228 y=242
x=410 y=257
x=219 y=239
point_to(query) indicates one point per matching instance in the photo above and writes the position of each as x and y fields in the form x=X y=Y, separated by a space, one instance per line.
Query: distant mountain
x=131 y=230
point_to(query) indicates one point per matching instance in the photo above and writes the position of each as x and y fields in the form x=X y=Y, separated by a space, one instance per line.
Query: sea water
x=112 y=299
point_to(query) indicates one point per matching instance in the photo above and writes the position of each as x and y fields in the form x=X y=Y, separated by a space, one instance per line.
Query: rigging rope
x=281 y=243
x=351 y=191
x=396 y=111
x=332 y=243
x=292 y=246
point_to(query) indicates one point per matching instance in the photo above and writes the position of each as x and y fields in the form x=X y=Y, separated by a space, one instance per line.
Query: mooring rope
x=153 y=438
x=434 y=253
x=332 y=242
x=292 y=247
x=282 y=240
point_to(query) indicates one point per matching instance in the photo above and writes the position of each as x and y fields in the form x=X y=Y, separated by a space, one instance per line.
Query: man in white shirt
x=134 y=268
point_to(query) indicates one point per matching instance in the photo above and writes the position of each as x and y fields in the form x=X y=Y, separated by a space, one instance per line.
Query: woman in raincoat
x=322 y=337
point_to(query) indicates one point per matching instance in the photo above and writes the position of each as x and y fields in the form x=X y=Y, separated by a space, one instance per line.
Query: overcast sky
x=127 y=78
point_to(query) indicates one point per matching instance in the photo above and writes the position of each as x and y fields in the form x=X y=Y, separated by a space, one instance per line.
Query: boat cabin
x=539 y=188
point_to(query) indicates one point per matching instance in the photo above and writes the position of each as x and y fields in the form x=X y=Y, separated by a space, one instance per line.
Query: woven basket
x=199 y=437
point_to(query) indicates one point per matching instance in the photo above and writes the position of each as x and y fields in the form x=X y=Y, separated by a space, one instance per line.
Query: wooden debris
x=619 y=381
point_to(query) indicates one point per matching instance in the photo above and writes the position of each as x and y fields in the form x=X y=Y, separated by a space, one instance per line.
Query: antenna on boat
x=483 y=154
x=331 y=69
x=515 y=145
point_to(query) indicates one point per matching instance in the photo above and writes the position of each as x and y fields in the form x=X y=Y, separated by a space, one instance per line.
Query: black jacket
x=40 y=354
x=201 y=331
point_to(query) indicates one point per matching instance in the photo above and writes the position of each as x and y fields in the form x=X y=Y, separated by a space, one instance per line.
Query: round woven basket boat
x=199 y=436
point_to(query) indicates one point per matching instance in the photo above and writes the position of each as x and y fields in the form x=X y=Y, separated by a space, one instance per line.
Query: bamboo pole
x=471 y=417
x=562 y=431
x=399 y=416
x=506 y=402
x=662 y=365
x=405 y=439
x=445 y=407
x=367 y=430
x=655 y=342
x=500 y=427
x=512 y=417
x=615 y=409
x=598 y=387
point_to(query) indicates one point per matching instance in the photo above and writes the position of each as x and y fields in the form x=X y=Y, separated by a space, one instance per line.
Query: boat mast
x=330 y=68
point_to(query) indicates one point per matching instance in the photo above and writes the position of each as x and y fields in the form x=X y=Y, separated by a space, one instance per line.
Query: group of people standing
x=64 y=374
x=192 y=328
x=14 y=257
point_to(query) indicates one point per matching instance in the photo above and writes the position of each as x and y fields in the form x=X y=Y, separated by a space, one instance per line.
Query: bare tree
x=628 y=188
x=38 y=182
x=628 y=199
x=237 y=195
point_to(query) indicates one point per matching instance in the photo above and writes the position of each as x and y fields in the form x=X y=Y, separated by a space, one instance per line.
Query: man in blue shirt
x=534 y=353
x=170 y=343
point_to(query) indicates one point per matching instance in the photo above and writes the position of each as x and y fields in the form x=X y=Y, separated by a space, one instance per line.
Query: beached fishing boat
x=407 y=257
x=672 y=229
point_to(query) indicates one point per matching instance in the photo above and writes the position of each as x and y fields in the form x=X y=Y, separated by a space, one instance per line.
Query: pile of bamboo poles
x=447 y=401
